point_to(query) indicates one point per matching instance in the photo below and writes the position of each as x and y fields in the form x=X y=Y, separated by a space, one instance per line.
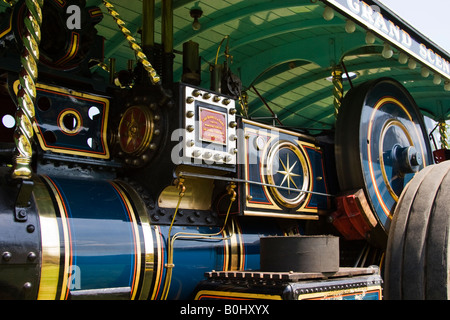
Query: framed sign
x=213 y=126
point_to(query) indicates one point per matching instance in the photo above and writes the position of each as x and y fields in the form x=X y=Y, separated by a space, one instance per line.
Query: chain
x=26 y=95
x=140 y=55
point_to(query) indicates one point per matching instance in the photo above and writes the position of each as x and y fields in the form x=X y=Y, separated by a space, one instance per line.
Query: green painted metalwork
x=286 y=49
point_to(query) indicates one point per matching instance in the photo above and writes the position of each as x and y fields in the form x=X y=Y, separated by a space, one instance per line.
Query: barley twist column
x=443 y=133
x=338 y=88
x=26 y=94
x=140 y=55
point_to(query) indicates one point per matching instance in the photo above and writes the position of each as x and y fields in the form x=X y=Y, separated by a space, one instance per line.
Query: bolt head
x=6 y=256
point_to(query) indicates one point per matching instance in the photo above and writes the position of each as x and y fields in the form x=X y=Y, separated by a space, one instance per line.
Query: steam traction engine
x=141 y=188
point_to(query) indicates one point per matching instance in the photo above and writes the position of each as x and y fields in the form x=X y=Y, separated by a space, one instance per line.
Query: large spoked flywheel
x=381 y=143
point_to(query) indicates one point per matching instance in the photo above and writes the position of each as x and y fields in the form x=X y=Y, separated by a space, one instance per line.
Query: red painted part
x=441 y=155
x=349 y=220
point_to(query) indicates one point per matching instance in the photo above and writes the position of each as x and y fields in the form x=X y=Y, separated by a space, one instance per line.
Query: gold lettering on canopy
x=379 y=22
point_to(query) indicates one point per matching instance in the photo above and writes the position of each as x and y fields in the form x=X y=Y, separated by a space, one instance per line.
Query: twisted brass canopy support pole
x=140 y=55
x=443 y=133
x=26 y=94
x=11 y=2
x=338 y=88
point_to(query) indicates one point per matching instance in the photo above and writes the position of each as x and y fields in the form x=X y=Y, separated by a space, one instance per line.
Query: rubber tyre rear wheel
x=417 y=254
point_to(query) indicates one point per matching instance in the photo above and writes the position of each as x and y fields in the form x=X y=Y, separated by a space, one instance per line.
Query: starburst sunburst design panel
x=285 y=173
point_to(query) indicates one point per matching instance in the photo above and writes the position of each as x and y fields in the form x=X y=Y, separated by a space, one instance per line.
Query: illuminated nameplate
x=210 y=126
x=213 y=126
x=375 y=21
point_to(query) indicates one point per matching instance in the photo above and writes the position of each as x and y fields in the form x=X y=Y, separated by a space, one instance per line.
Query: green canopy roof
x=284 y=51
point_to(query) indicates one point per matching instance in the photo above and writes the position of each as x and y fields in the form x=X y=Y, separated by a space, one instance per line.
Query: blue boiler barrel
x=96 y=241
